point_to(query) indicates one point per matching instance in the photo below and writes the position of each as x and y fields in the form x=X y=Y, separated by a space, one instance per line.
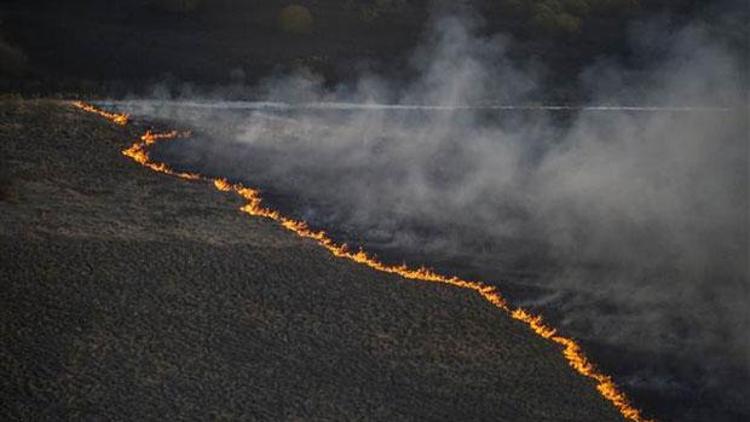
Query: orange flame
x=138 y=153
x=120 y=119
x=571 y=350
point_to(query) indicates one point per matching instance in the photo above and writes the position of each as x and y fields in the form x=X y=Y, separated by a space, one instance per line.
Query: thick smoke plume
x=629 y=227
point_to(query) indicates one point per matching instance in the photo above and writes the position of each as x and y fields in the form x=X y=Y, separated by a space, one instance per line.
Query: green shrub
x=296 y=19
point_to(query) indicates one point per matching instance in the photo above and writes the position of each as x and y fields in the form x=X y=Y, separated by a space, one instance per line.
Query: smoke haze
x=628 y=228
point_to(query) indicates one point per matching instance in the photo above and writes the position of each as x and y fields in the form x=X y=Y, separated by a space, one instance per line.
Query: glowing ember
x=570 y=349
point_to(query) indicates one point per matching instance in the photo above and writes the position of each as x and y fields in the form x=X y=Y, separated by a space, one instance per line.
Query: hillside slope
x=133 y=295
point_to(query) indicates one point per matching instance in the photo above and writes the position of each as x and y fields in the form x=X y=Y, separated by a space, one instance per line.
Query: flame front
x=138 y=153
x=118 y=118
x=571 y=350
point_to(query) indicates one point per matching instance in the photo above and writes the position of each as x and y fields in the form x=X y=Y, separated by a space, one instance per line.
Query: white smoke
x=630 y=218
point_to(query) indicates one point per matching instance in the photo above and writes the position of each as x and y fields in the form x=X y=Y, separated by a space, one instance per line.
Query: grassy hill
x=130 y=295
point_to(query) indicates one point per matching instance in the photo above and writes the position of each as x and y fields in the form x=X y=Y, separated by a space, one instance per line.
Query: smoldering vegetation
x=628 y=228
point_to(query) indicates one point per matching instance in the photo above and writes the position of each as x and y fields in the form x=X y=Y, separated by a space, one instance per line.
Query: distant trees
x=371 y=10
x=296 y=19
x=564 y=16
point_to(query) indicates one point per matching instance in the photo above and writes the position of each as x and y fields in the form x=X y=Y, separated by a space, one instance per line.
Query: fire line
x=570 y=350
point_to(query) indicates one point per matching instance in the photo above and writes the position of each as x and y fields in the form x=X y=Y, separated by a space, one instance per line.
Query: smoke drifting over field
x=628 y=226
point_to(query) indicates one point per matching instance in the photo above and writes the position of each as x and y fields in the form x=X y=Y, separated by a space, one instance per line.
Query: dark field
x=131 y=295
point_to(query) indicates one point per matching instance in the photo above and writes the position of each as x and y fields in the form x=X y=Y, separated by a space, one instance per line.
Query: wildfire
x=138 y=153
x=571 y=350
x=120 y=119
